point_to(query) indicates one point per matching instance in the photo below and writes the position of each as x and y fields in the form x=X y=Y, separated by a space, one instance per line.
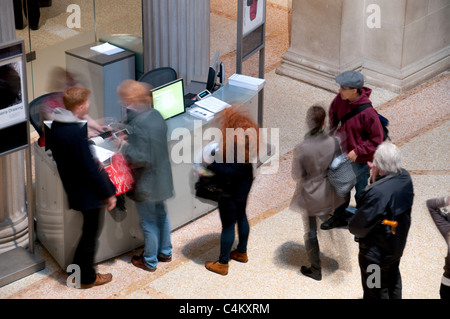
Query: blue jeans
x=362 y=173
x=156 y=228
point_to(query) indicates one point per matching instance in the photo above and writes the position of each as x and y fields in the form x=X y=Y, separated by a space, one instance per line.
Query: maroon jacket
x=361 y=133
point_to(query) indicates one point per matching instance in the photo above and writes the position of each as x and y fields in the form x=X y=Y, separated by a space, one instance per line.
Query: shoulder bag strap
x=353 y=112
x=337 y=150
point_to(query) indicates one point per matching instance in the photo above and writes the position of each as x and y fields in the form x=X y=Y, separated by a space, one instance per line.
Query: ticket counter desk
x=58 y=228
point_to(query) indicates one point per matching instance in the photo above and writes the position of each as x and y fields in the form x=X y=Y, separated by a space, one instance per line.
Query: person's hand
x=374 y=171
x=111 y=203
x=352 y=156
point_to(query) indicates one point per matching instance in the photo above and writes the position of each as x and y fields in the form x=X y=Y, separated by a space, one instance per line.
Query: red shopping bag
x=120 y=174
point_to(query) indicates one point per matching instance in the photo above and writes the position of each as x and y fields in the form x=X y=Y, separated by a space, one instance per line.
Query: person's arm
x=434 y=205
x=374 y=130
x=297 y=170
x=94 y=128
x=369 y=214
x=96 y=174
x=137 y=148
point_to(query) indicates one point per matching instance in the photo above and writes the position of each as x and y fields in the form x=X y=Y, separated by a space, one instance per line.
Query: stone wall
x=395 y=44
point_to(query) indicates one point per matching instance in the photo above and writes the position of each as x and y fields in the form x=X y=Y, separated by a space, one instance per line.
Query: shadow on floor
x=293 y=255
x=197 y=248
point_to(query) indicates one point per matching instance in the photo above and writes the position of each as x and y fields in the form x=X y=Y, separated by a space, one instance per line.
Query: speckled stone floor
x=420 y=126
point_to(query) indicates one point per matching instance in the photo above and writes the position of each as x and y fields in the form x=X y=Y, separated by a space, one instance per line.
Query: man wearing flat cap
x=360 y=135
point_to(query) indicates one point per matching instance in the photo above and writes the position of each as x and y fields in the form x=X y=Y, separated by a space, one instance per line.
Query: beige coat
x=314 y=193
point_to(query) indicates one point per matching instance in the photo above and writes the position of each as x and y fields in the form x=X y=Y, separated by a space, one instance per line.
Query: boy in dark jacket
x=86 y=183
x=360 y=135
x=381 y=224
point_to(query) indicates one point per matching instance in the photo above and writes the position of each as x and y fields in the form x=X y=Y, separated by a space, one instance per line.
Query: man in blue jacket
x=84 y=180
x=381 y=224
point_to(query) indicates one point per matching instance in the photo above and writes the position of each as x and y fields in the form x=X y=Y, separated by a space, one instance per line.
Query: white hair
x=388 y=158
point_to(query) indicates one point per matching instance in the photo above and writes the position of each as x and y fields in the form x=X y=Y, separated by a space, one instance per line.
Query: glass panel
x=69 y=24
x=63 y=25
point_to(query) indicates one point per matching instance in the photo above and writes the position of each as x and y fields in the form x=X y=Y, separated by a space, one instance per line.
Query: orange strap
x=392 y=223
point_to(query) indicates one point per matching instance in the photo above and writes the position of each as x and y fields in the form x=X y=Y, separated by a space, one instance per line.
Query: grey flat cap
x=351 y=79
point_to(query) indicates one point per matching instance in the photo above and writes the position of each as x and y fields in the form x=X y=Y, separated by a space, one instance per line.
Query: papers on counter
x=107 y=49
x=207 y=107
x=246 y=81
x=101 y=153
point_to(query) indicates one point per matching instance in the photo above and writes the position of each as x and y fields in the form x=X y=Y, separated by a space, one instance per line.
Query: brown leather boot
x=100 y=279
x=221 y=269
x=241 y=257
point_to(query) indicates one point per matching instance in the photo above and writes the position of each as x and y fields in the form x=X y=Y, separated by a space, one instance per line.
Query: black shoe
x=315 y=274
x=333 y=222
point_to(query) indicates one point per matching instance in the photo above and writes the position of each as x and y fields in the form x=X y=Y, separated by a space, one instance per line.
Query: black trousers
x=31 y=11
x=87 y=246
x=389 y=284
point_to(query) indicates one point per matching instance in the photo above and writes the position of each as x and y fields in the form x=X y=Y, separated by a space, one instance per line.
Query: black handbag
x=208 y=188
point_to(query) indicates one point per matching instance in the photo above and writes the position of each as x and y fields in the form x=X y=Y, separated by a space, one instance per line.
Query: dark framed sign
x=14 y=124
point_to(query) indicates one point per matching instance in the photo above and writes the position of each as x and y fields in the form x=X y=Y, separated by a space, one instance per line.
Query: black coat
x=85 y=183
x=390 y=197
x=235 y=178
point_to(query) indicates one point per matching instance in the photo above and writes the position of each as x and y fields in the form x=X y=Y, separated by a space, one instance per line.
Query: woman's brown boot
x=221 y=269
x=241 y=257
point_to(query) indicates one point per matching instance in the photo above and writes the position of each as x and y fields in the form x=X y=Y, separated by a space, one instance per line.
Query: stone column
x=411 y=45
x=395 y=44
x=13 y=213
x=326 y=38
x=176 y=34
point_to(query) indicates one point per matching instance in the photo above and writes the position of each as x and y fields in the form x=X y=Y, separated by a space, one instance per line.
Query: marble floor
x=419 y=125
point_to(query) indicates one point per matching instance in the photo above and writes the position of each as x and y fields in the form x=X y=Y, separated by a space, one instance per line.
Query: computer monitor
x=168 y=99
x=216 y=71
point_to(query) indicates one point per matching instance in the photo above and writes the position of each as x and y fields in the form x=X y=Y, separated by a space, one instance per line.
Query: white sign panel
x=254 y=15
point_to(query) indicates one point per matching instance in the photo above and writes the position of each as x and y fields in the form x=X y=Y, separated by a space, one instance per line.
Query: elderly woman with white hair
x=381 y=224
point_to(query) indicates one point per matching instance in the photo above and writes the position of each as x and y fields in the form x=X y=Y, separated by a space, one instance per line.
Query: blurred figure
x=84 y=180
x=314 y=195
x=360 y=135
x=233 y=168
x=60 y=81
x=441 y=217
x=147 y=151
x=381 y=223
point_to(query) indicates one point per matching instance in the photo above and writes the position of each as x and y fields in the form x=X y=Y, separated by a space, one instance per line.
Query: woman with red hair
x=233 y=167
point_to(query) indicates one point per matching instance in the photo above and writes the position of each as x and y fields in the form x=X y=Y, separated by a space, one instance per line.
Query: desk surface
x=228 y=93
x=85 y=53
